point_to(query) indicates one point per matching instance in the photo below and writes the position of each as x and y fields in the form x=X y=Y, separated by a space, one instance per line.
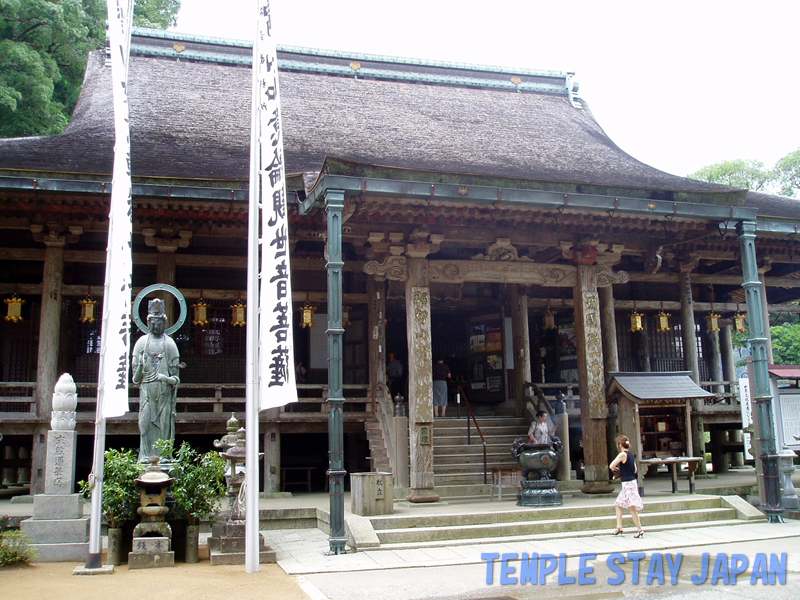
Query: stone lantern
x=153 y=536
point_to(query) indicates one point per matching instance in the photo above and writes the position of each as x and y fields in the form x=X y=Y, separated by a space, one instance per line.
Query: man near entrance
x=441 y=373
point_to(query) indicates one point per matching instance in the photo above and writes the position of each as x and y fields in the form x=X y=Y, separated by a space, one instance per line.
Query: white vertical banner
x=114 y=373
x=276 y=357
x=746 y=405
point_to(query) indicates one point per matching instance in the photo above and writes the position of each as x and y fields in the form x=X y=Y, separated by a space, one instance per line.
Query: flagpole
x=112 y=383
x=252 y=563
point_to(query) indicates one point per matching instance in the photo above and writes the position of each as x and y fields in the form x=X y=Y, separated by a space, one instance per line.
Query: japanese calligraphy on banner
x=112 y=388
x=276 y=357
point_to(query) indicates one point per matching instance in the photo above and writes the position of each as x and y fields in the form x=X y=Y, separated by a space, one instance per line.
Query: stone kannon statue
x=156 y=369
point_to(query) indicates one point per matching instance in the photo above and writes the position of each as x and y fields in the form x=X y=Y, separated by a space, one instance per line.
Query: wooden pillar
x=165 y=273
x=272 y=452
x=608 y=327
x=727 y=354
x=689 y=338
x=47 y=367
x=420 y=382
x=592 y=382
x=522 y=347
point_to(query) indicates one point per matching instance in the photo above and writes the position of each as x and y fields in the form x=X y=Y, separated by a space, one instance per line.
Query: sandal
x=617 y=531
x=639 y=533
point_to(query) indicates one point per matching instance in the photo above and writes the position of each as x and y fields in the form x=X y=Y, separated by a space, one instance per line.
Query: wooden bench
x=504 y=478
x=299 y=482
x=673 y=462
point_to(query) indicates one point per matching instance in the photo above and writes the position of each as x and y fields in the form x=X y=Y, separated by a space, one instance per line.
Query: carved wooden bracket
x=165 y=240
x=501 y=250
x=394 y=268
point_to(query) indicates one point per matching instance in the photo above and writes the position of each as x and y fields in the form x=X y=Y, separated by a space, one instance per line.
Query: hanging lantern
x=14 y=308
x=739 y=323
x=87 y=308
x=636 y=321
x=346 y=315
x=201 y=313
x=549 y=317
x=713 y=322
x=238 y=314
x=307 y=317
x=663 y=321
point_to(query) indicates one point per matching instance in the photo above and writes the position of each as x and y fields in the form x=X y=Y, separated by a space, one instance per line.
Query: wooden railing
x=198 y=399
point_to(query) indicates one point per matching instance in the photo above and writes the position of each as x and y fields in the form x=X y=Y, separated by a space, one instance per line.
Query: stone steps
x=432 y=530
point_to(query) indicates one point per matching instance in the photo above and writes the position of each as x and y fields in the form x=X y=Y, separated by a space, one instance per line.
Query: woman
x=629 y=497
x=538 y=432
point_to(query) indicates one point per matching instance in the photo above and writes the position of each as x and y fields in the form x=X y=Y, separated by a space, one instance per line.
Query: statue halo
x=155 y=288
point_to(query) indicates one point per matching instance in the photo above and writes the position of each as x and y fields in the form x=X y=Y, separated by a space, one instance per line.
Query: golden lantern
x=713 y=321
x=663 y=321
x=238 y=315
x=87 y=308
x=201 y=313
x=307 y=317
x=739 y=323
x=636 y=321
x=346 y=315
x=14 y=308
x=549 y=317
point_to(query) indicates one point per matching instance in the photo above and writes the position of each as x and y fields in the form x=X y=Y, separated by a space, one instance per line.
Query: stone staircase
x=438 y=530
x=458 y=462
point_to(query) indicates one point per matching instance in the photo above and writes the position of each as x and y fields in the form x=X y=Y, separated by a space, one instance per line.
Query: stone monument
x=58 y=528
x=152 y=537
x=156 y=368
x=226 y=545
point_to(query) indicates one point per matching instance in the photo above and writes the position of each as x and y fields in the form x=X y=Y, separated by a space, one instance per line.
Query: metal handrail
x=478 y=427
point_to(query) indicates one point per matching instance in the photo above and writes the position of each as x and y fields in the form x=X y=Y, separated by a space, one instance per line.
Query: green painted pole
x=762 y=393
x=334 y=207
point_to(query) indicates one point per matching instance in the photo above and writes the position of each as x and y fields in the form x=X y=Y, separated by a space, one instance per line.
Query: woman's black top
x=627 y=469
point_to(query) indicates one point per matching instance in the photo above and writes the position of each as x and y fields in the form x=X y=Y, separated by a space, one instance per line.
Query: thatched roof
x=190 y=116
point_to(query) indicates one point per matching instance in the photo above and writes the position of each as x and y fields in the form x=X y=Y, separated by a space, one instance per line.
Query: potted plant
x=120 y=498
x=199 y=484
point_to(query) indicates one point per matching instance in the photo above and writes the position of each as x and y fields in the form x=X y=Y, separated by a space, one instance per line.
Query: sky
x=678 y=85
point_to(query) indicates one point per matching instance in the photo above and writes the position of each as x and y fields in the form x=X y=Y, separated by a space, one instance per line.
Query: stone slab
x=104 y=570
x=238 y=558
x=57 y=506
x=56 y=531
x=53 y=553
x=150 y=560
x=151 y=544
x=60 y=468
x=360 y=533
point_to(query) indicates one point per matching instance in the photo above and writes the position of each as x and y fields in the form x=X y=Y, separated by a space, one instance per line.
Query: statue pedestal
x=539 y=492
x=226 y=545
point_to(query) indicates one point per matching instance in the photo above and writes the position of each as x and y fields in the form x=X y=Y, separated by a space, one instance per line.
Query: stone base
x=539 y=492
x=597 y=487
x=226 y=545
x=150 y=560
x=104 y=570
x=64 y=552
x=422 y=495
x=57 y=531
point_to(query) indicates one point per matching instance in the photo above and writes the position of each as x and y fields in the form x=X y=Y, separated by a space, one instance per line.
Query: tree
x=786 y=343
x=787 y=173
x=748 y=174
x=43 y=49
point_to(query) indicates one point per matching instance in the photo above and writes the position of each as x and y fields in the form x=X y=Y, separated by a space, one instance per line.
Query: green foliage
x=14 y=548
x=787 y=173
x=748 y=174
x=120 y=497
x=199 y=480
x=44 y=45
x=786 y=343
x=156 y=14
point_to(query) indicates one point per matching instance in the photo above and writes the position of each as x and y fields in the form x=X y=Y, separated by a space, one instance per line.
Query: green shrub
x=14 y=548
x=120 y=496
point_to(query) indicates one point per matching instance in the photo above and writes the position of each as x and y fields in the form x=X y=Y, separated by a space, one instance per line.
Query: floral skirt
x=629 y=496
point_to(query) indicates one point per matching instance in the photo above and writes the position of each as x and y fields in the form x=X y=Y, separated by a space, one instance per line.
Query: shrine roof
x=190 y=122
x=644 y=387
